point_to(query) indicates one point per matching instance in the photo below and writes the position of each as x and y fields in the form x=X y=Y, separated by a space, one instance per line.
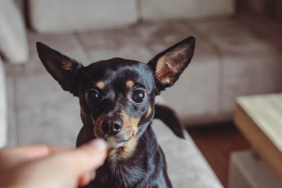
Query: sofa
x=234 y=49
x=236 y=54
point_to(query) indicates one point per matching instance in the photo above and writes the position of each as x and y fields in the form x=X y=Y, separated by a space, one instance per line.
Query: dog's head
x=117 y=95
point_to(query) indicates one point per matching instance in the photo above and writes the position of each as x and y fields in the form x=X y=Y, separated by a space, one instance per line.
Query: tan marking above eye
x=100 y=85
x=129 y=84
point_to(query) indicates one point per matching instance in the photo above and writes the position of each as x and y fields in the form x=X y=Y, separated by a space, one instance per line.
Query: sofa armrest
x=13 y=37
x=186 y=165
x=3 y=107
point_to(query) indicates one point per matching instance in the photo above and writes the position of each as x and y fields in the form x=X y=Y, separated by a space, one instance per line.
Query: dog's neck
x=139 y=167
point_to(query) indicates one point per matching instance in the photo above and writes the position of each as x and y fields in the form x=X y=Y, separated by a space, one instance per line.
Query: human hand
x=48 y=166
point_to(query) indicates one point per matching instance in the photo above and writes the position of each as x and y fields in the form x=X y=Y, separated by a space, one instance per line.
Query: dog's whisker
x=142 y=140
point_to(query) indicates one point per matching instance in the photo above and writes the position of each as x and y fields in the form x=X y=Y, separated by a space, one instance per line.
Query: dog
x=117 y=100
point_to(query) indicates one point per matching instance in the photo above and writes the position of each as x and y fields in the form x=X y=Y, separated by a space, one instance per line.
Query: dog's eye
x=92 y=96
x=138 y=95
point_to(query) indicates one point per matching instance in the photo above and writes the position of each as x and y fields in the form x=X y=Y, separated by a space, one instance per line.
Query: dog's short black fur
x=117 y=100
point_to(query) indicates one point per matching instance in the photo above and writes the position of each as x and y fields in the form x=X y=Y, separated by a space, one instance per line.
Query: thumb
x=88 y=157
x=71 y=165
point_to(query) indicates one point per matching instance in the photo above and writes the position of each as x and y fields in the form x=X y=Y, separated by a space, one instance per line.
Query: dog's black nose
x=111 y=126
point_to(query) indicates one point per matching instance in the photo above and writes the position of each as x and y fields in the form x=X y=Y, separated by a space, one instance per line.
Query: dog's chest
x=120 y=174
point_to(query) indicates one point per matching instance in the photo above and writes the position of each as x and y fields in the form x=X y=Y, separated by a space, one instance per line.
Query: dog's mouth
x=116 y=142
x=120 y=149
x=120 y=146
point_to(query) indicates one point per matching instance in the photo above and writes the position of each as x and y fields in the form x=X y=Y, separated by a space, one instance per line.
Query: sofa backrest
x=187 y=9
x=72 y=15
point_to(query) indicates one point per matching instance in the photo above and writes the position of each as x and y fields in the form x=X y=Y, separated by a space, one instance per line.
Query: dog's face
x=117 y=95
x=116 y=98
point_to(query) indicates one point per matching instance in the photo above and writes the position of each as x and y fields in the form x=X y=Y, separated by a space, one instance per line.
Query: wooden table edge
x=258 y=140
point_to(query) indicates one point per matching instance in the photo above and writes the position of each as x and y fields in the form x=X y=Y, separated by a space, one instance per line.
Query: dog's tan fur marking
x=163 y=70
x=129 y=84
x=96 y=125
x=127 y=150
x=130 y=126
x=100 y=85
x=129 y=123
x=169 y=65
x=149 y=112
x=123 y=152
x=67 y=65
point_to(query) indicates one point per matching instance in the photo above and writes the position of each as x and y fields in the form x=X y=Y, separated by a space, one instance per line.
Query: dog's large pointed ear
x=62 y=68
x=169 y=64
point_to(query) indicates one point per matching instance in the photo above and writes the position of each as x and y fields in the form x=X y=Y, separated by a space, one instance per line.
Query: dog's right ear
x=169 y=64
x=62 y=68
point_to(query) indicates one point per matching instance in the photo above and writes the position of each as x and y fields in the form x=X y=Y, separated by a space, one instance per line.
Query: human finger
x=87 y=157
x=86 y=178
x=35 y=151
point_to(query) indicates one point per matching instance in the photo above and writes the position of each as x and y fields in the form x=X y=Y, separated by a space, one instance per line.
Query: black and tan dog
x=117 y=99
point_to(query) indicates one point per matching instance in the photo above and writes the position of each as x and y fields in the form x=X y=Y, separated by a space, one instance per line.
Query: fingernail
x=99 y=144
x=92 y=175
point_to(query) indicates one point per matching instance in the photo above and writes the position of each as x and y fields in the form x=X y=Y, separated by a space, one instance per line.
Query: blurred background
x=238 y=53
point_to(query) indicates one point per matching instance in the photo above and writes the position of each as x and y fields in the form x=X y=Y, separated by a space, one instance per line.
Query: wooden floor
x=216 y=142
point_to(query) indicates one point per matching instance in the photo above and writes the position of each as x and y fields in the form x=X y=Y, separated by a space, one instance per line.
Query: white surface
x=13 y=39
x=247 y=171
x=3 y=107
x=55 y=16
x=168 y=9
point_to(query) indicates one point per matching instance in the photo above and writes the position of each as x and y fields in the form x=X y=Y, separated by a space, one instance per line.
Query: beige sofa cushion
x=250 y=55
x=13 y=39
x=168 y=9
x=55 y=16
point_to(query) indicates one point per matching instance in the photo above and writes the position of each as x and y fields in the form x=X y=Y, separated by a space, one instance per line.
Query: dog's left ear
x=169 y=64
x=62 y=68
x=169 y=118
